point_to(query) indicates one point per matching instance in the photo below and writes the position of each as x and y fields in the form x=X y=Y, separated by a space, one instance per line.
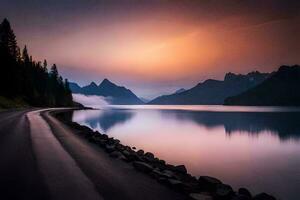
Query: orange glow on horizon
x=170 y=49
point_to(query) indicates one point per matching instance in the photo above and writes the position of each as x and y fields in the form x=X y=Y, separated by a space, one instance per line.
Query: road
x=41 y=158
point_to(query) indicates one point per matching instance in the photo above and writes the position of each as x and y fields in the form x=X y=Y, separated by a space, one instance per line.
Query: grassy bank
x=6 y=103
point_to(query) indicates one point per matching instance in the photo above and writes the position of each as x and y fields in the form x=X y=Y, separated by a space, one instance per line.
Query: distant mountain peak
x=117 y=94
x=93 y=84
x=229 y=76
x=106 y=80
x=106 y=83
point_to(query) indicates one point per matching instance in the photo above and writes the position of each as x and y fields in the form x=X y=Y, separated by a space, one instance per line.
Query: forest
x=22 y=79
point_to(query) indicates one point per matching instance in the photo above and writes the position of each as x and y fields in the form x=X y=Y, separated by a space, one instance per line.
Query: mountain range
x=213 y=92
x=280 y=89
x=114 y=94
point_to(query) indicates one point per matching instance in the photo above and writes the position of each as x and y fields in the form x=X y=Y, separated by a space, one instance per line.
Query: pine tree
x=25 y=56
x=54 y=72
x=45 y=64
x=8 y=39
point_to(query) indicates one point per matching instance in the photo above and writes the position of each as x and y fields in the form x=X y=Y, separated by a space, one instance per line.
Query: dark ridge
x=282 y=88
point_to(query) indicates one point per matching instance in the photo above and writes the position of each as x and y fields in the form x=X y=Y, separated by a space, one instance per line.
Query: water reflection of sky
x=259 y=150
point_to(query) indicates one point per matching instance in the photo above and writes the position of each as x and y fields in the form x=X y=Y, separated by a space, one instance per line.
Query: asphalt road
x=41 y=158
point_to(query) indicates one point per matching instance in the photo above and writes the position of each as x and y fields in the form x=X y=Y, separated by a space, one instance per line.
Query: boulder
x=241 y=197
x=167 y=174
x=110 y=148
x=200 y=196
x=140 y=152
x=162 y=180
x=113 y=141
x=120 y=147
x=156 y=173
x=208 y=183
x=149 y=155
x=175 y=183
x=131 y=156
x=105 y=137
x=224 y=191
x=180 y=169
x=191 y=187
x=263 y=196
x=116 y=154
x=143 y=167
x=101 y=142
x=245 y=192
x=126 y=153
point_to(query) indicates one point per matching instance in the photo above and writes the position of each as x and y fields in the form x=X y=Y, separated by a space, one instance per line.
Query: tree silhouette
x=22 y=77
x=8 y=39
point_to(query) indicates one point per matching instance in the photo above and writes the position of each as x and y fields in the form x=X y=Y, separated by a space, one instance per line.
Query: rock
x=148 y=160
x=97 y=132
x=140 y=152
x=175 y=183
x=133 y=147
x=162 y=162
x=113 y=141
x=116 y=154
x=241 y=197
x=208 y=183
x=245 y=192
x=149 y=155
x=110 y=148
x=170 y=167
x=120 y=147
x=199 y=196
x=263 y=196
x=168 y=174
x=126 y=153
x=223 y=191
x=156 y=173
x=131 y=156
x=105 y=137
x=191 y=187
x=143 y=167
x=162 y=180
x=84 y=128
x=101 y=142
x=180 y=169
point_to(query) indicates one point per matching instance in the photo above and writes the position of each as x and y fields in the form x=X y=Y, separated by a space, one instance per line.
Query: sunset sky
x=157 y=46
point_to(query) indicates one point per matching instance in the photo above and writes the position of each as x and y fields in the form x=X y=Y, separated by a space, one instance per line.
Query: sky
x=155 y=47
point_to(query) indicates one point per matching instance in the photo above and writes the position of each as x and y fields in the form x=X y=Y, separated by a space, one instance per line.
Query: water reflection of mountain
x=109 y=118
x=285 y=125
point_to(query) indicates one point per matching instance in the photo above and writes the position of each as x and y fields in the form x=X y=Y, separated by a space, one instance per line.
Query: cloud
x=90 y=101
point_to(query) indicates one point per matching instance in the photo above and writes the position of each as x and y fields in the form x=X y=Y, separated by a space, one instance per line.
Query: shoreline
x=175 y=177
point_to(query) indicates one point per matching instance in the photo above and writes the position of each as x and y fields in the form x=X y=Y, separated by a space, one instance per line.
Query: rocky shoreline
x=175 y=177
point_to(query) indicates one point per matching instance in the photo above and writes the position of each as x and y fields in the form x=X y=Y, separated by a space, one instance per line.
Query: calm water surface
x=253 y=147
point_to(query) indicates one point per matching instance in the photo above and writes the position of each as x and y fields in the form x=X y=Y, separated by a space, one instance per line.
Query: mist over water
x=90 y=100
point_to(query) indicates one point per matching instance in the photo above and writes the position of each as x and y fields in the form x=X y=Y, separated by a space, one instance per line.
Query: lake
x=253 y=147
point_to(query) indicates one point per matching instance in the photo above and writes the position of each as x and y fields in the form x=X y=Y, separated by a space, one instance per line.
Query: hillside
x=213 y=92
x=280 y=89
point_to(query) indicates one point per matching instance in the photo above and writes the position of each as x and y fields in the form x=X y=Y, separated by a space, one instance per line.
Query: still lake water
x=253 y=147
